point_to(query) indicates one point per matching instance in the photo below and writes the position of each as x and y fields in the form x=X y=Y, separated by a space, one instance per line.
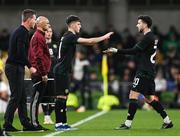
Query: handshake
x=110 y=51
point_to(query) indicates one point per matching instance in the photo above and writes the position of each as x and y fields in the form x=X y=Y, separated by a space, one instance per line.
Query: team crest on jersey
x=55 y=46
x=66 y=91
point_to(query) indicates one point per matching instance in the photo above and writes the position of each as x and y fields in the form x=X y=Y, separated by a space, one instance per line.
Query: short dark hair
x=146 y=19
x=27 y=13
x=72 y=18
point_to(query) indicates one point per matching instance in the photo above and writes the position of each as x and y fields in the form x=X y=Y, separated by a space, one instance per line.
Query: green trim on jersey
x=139 y=47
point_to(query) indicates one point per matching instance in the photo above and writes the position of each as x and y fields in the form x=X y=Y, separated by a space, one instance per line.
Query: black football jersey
x=146 y=58
x=67 y=49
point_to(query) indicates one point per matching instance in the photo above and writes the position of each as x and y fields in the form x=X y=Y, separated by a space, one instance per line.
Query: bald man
x=39 y=58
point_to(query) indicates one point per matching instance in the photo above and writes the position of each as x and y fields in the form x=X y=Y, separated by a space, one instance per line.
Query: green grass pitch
x=146 y=123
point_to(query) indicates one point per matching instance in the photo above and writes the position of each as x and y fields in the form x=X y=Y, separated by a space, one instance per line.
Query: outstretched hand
x=110 y=51
x=107 y=36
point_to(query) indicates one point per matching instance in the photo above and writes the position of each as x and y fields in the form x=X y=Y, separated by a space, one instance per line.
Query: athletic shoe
x=67 y=127
x=11 y=128
x=64 y=127
x=40 y=128
x=60 y=128
x=32 y=128
x=3 y=133
x=166 y=126
x=48 y=120
x=81 y=109
x=123 y=126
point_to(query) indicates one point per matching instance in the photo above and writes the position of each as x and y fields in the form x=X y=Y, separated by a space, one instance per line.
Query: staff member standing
x=39 y=58
x=14 y=70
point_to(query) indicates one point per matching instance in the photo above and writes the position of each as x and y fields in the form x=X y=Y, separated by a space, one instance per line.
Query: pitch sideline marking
x=80 y=122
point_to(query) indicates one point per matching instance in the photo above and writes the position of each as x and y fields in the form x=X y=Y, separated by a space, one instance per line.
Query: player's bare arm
x=92 y=41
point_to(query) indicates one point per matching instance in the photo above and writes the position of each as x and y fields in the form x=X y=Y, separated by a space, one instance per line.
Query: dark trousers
x=15 y=76
x=39 y=88
x=47 y=108
x=48 y=98
x=1 y=131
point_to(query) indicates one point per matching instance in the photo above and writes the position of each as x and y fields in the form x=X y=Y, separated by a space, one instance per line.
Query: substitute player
x=145 y=52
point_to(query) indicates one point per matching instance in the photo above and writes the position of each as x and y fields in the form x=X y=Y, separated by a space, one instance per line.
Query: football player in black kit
x=145 y=52
x=63 y=68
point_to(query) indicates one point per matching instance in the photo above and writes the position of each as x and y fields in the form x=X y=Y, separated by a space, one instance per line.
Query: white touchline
x=79 y=123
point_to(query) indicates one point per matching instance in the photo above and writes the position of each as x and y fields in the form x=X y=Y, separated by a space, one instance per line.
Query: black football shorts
x=143 y=85
x=62 y=83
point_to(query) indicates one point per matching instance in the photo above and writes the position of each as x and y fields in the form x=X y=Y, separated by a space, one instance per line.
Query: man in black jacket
x=14 y=70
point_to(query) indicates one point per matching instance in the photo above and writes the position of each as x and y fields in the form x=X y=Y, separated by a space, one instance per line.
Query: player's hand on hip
x=45 y=78
x=32 y=70
x=110 y=51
